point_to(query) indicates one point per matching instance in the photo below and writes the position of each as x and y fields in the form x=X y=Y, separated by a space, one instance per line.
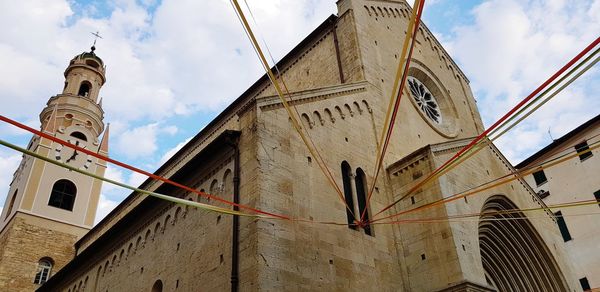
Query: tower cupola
x=85 y=75
x=79 y=102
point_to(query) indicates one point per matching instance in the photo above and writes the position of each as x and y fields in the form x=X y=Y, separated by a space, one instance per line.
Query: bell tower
x=48 y=208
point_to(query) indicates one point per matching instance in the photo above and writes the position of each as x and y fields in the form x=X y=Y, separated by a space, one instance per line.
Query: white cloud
x=136 y=179
x=514 y=46
x=176 y=61
x=172 y=151
x=105 y=205
x=9 y=161
x=115 y=174
x=142 y=141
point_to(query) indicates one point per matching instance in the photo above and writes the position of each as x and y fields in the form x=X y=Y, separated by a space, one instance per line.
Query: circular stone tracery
x=425 y=100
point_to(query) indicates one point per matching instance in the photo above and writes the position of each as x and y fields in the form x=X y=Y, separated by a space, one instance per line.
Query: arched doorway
x=514 y=256
x=158 y=286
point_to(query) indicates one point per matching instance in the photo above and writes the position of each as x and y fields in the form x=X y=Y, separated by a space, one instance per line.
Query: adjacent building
x=572 y=181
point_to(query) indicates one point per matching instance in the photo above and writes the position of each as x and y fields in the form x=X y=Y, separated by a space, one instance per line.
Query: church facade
x=340 y=79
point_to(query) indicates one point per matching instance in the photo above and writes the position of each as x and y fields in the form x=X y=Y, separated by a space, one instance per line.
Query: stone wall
x=24 y=241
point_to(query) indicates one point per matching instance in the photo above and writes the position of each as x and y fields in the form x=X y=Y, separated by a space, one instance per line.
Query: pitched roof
x=558 y=142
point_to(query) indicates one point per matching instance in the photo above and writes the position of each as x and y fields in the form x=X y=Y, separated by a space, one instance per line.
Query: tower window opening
x=63 y=194
x=597 y=195
x=43 y=271
x=84 y=89
x=92 y=64
x=79 y=136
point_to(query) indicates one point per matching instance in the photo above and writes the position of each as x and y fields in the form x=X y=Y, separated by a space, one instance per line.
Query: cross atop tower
x=96 y=36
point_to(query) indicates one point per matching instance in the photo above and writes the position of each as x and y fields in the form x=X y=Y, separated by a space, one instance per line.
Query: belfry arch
x=514 y=256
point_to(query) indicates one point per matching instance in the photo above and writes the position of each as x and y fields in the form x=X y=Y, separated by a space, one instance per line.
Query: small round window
x=425 y=100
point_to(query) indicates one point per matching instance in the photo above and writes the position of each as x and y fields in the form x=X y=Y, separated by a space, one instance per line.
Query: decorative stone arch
x=167 y=219
x=113 y=262
x=214 y=187
x=306 y=120
x=339 y=111
x=147 y=237
x=227 y=183
x=349 y=109
x=357 y=106
x=98 y=274
x=121 y=254
x=177 y=215
x=129 y=249
x=317 y=117
x=138 y=242
x=106 y=264
x=156 y=230
x=366 y=104
x=513 y=254
x=329 y=115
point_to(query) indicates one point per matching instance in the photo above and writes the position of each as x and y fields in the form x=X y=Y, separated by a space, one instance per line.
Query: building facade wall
x=444 y=254
x=24 y=242
x=571 y=181
x=344 y=118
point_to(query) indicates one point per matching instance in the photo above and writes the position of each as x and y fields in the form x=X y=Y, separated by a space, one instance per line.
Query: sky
x=173 y=65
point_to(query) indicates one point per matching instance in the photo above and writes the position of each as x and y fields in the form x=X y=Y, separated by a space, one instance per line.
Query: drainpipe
x=235 y=245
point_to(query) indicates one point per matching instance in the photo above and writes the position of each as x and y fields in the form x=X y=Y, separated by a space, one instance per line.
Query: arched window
x=158 y=286
x=43 y=271
x=63 y=194
x=361 y=191
x=84 y=89
x=214 y=187
x=92 y=64
x=79 y=135
x=346 y=172
x=227 y=183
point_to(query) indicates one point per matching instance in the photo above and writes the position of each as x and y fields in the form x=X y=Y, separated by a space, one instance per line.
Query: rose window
x=425 y=100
